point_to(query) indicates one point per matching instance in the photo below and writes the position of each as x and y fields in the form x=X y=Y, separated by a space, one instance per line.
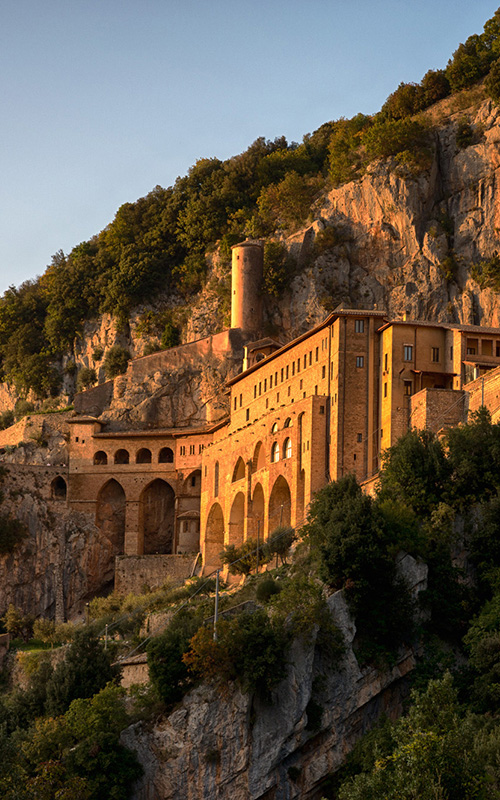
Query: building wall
x=434 y=409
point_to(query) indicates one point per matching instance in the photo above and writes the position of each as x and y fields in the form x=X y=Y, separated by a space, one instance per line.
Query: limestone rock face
x=64 y=559
x=395 y=233
x=213 y=747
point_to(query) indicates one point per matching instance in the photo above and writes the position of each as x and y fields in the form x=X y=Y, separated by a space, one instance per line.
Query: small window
x=267 y=402
x=143 y=456
x=310 y=357
x=270 y=381
x=248 y=414
x=201 y=447
x=386 y=358
x=191 y=449
x=360 y=437
x=359 y=325
x=408 y=352
x=385 y=389
x=288 y=423
x=305 y=360
x=298 y=365
x=275 y=452
x=277 y=397
x=287 y=448
x=317 y=353
x=235 y=403
x=100 y=458
x=241 y=400
x=471 y=351
x=435 y=354
x=275 y=378
x=265 y=384
x=193 y=480
x=281 y=374
x=183 y=450
x=323 y=371
x=321 y=409
x=301 y=382
x=260 y=388
x=274 y=427
x=360 y=361
x=408 y=388
x=287 y=371
x=216 y=479
x=293 y=368
x=255 y=391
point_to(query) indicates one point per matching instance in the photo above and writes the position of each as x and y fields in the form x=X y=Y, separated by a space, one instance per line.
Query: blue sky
x=104 y=99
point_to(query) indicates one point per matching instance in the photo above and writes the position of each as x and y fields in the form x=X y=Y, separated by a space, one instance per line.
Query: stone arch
x=192 y=484
x=236 y=520
x=279 y=504
x=143 y=456
x=166 y=456
x=122 y=456
x=58 y=488
x=156 y=518
x=110 y=514
x=259 y=457
x=256 y=522
x=214 y=536
x=100 y=458
x=239 y=470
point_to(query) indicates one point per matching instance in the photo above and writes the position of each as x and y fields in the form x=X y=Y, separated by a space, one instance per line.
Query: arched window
x=274 y=428
x=287 y=448
x=288 y=423
x=216 y=479
x=166 y=456
x=143 y=456
x=100 y=457
x=275 y=452
x=121 y=457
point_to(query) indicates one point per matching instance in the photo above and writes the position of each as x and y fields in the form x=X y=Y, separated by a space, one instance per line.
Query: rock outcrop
x=241 y=748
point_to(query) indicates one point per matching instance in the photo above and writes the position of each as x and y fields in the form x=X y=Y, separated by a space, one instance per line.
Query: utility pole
x=258 y=535
x=216 y=615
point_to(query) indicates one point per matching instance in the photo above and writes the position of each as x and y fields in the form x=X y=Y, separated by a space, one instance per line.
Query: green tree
x=86 y=378
x=167 y=670
x=85 y=670
x=279 y=543
x=116 y=361
x=474 y=457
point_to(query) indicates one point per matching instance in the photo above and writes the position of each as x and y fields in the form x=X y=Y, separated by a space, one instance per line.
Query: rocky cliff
x=244 y=749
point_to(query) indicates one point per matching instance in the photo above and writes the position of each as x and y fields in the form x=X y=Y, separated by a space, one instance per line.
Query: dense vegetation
x=159 y=243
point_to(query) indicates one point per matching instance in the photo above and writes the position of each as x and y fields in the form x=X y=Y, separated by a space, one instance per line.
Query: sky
x=102 y=100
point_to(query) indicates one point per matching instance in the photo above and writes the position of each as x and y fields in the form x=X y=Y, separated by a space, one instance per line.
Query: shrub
x=408 y=99
x=6 y=419
x=435 y=86
x=409 y=140
x=97 y=353
x=18 y=624
x=487 y=272
x=249 y=649
x=267 y=588
x=22 y=408
x=278 y=267
x=464 y=135
x=168 y=672
x=171 y=336
x=245 y=557
x=116 y=361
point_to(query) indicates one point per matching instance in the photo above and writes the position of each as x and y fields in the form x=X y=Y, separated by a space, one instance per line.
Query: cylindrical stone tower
x=246 y=285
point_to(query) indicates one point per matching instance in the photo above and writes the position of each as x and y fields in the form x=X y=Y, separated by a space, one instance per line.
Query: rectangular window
x=281 y=374
x=301 y=382
x=235 y=401
x=298 y=365
x=331 y=371
x=255 y=391
x=321 y=409
x=435 y=354
x=360 y=437
x=408 y=352
x=317 y=353
x=293 y=368
x=408 y=388
x=305 y=361
x=287 y=371
x=315 y=390
x=191 y=449
x=323 y=372
x=241 y=400
x=386 y=358
x=310 y=357
x=200 y=448
x=267 y=402
x=270 y=381
x=471 y=351
x=275 y=378
x=260 y=388
x=265 y=384
x=289 y=390
x=183 y=450
x=277 y=397
x=360 y=361
x=248 y=414
x=385 y=389
x=359 y=325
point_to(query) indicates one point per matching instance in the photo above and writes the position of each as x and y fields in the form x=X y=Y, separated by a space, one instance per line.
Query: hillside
x=412 y=206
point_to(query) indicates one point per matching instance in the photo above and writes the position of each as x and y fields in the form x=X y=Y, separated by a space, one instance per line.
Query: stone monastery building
x=326 y=404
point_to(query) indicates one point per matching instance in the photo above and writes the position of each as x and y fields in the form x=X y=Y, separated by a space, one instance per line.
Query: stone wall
x=134 y=573
x=433 y=409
